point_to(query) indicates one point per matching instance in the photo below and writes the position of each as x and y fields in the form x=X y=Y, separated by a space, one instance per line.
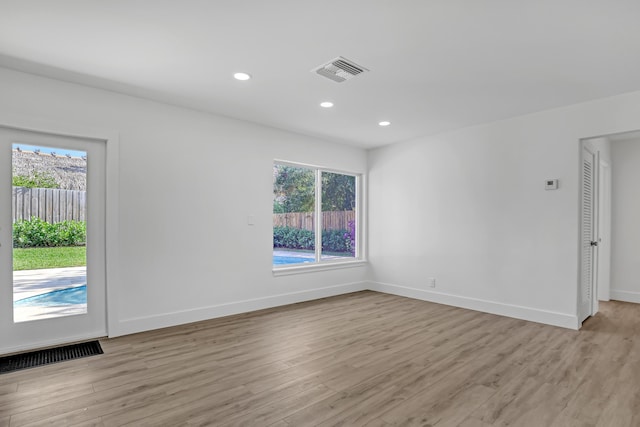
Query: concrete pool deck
x=294 y=254
x=29 y=283
x=306 y=255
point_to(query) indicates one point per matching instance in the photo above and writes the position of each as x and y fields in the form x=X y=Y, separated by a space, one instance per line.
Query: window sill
x=301 y=269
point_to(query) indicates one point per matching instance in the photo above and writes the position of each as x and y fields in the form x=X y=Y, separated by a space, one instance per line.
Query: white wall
x=187 y=182
x=469 y=208
x=625 y=256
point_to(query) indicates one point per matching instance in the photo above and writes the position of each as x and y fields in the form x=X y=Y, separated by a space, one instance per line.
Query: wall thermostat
x=551 y=184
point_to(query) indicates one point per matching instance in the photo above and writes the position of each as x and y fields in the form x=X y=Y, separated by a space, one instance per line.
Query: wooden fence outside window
x=49 y=204
x=331 y=220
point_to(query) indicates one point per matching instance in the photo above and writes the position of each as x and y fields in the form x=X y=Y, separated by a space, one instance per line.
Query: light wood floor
x=360 y=359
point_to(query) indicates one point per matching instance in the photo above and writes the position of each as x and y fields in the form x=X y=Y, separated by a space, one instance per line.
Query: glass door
x=52 y=269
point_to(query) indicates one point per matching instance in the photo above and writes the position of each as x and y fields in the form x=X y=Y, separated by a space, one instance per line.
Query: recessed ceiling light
x=241 y=76
x=326 y=104
x=384 y=123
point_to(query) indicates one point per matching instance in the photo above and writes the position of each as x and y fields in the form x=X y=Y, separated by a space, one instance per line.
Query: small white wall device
x=551 y=184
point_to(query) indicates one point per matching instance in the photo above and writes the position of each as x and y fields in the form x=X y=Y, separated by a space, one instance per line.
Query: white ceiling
x=436 y=65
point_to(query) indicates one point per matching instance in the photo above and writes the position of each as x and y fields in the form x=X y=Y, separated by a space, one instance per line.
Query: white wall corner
x=562 y=320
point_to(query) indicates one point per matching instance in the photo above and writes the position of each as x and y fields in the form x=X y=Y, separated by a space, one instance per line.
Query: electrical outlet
x=432 y=282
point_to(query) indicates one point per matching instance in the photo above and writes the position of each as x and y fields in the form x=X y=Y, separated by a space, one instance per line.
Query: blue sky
x=59 y=151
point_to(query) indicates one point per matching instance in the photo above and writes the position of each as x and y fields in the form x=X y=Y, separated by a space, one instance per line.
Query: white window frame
x=329 y=264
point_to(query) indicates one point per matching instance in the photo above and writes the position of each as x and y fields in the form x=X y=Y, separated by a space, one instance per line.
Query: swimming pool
x=67 y=296
x=282 y=260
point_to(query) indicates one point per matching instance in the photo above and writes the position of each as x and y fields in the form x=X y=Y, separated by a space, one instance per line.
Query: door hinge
x=594 y=243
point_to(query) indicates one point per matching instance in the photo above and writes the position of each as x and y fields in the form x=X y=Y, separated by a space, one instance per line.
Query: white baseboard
x=164 y=320
x=519 y=312
x=626 y=296
x=141 y=324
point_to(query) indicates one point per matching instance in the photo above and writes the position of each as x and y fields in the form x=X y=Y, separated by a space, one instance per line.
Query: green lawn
x=36 y=258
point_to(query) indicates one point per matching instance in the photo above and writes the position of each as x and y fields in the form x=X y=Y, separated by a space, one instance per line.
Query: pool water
x=67 y=296
x=282 y=260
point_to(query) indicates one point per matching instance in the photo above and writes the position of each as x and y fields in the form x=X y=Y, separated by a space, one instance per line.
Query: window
x=315 y=215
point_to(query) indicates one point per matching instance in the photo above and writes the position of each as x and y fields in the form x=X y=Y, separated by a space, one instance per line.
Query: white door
x=53 y=296
x=588 y=237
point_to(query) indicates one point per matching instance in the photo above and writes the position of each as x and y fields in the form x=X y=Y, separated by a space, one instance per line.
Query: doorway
x=613 y=273
x=44 y=306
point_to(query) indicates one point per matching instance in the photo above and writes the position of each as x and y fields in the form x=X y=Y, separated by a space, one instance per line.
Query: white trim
x=317 y=215
x=310 y=268
x=626 y=296
x=563 y=320
x=112 y=229
x=147 y=323
x=604 y=232
x=141 y=324
x=310 y=166
x=361 y=223
x=112 y=140
x=56 y=128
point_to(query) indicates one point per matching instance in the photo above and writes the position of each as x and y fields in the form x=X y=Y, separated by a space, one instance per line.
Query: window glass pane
x=293 y=215
x=338 y=216
x=49 y=232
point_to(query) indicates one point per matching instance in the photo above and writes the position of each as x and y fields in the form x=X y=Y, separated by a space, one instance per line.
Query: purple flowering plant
x=350 y=237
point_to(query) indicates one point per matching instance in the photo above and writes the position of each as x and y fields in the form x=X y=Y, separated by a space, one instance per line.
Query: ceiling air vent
x=339 y=69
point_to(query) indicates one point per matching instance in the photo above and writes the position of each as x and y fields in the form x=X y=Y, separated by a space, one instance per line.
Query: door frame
x=112 y=142
x=604 y=231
